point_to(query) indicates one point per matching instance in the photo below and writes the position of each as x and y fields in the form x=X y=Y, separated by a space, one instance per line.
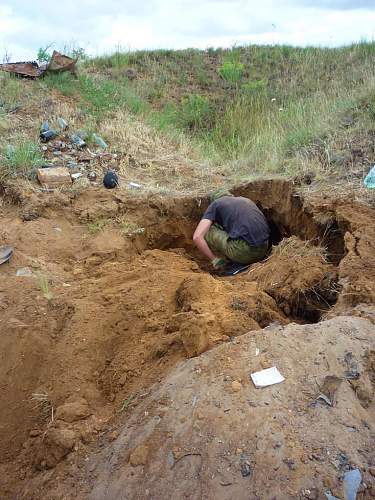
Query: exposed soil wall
x=125 y=310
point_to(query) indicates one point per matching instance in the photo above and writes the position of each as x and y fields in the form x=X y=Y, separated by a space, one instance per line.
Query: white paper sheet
x=269 y=376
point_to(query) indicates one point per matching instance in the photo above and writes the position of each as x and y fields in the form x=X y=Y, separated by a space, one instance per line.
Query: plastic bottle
x=77 y=141
x=48 y=135
x=63 y=124
x=99 y=141
x=369 y=181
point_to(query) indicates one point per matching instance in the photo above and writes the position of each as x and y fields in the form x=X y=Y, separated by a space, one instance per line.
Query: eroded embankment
x=125 y=311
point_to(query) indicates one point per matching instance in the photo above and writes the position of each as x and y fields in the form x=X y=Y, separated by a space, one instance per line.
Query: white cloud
x=101 y=26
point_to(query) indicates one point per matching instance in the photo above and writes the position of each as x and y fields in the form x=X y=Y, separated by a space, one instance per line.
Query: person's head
x=219 y=193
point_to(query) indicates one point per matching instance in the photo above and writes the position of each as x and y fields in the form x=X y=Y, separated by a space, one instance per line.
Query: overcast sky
x=100 y=26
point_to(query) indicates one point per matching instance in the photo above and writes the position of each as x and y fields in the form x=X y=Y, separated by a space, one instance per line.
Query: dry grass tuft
x=293 y=248
x=43 y=404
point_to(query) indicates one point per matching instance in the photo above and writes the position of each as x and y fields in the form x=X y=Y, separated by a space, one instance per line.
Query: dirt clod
x=139 y=455
x=71 y=412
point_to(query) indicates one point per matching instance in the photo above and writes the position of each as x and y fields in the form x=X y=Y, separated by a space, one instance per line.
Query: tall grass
x=260 y=108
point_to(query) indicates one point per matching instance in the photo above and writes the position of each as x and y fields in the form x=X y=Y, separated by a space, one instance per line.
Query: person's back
x=240 y=218
x=234 y=229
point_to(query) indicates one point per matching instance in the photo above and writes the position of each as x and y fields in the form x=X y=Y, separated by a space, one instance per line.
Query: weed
x=254 y=87
x=126 y=403
x=43 y=404
x=43 y=55
x=94 y=227
x=65 y=83
x=11 y=92
x=43 y=284
x=20 y=159
x=232 y=71
x=130 y=228
x=195 y=112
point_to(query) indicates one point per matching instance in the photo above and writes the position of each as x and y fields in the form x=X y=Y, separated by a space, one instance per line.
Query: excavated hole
x=287 y=217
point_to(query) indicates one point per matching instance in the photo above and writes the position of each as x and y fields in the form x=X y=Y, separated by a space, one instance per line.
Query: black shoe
x=234 y=268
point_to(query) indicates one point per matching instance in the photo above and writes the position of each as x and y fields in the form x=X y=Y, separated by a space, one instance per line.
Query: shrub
x=195 y=112
x=232 y=71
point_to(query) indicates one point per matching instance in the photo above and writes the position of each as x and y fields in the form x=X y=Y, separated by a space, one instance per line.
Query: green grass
x=260 y=109
x=43 y=285
x=11 y=92
x=94 y=227
x=20 y=158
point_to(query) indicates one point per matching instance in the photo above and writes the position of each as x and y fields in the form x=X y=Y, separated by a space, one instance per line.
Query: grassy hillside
x=252 y=109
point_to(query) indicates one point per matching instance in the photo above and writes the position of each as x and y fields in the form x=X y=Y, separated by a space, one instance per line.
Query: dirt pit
x=119 y=312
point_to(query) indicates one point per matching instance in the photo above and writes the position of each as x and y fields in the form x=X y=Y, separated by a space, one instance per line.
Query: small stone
x=71 y=412
x=113 y=435
x=236 y=386
x=139 y=455
x=372 y=471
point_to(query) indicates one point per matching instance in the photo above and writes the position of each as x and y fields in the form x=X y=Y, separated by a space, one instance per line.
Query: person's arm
x=198 y=238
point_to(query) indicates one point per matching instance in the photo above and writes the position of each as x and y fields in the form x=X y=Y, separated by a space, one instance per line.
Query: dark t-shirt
x=240 y=218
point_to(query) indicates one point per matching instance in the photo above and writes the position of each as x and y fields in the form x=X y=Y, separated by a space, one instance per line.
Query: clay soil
x=107 y=317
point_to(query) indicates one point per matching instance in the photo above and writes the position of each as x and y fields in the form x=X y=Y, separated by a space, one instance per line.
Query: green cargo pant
x=235 y=250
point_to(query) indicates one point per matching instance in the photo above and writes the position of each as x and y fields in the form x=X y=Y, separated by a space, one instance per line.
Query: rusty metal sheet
x=60 y=62
x=28 y=69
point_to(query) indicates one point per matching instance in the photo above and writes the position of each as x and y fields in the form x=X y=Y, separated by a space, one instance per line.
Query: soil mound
x=207 y=432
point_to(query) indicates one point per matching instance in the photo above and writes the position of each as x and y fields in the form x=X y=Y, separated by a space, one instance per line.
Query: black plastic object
x=5 y=253
x=48 y=135
x=110 y=180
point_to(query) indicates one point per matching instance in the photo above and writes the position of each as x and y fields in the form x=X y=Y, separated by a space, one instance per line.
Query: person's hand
x=218 y=263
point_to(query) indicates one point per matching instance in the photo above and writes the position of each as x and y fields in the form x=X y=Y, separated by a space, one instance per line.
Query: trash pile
x=68 y=157
x=31 y=69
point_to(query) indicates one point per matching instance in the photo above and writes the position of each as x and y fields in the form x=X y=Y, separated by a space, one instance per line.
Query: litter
x=48 y=135
x=352 y=373
x=329 y=496
x=24 y=272
x=60 y=62
x=110 y=180
x=28 y=69
x=328 y=390
x=52 y=177
x=134 y=185
x=31 y=69
x=5 y=253
x=63 y=124
x=77 y=141
x=352 y=481
x=76 y=176
x=99 y=141
x=264 y=378
x=44 y=127
x=369 y=180
x=10 y=151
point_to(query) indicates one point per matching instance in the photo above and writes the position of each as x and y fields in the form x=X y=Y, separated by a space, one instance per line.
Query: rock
x=113 y=435
x=139 y=455
x=63 y=438
x=56 y=445
x=71 y=412
x=54 y=177
x=236 y=386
